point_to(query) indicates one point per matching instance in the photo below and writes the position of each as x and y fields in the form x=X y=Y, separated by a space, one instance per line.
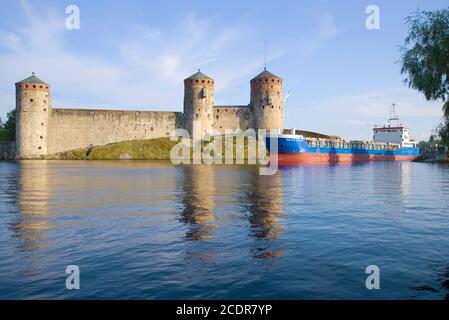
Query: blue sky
x=134 y=55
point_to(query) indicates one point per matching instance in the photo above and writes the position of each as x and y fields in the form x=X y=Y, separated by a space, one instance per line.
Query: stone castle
x=43 y=130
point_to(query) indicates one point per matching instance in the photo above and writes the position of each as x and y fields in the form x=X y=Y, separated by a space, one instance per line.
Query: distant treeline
x=8 y=128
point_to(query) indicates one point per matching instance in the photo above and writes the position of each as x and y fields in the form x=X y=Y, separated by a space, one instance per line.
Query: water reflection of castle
x=258 y=199
x=198 y=199
x=266 y=206
x=33 y=192
x=263 y=195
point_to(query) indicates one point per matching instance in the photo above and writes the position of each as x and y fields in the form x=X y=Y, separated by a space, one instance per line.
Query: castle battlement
x=42 y=130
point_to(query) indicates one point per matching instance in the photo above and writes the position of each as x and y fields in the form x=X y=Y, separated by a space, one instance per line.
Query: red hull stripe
x=327 y=157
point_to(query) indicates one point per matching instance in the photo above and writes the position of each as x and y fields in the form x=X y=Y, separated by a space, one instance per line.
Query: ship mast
x=393 y=116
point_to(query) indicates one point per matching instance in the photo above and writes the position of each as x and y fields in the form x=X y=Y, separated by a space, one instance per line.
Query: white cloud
x=148 y=74
x=353 y=116
x=150 y=64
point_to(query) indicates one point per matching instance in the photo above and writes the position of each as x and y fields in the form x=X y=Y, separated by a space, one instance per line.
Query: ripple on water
x=151 y=230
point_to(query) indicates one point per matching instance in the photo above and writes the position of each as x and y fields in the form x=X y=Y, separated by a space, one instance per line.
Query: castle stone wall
x=7 y=150
x=77 y=128
x=43 y=130
x=232 y=117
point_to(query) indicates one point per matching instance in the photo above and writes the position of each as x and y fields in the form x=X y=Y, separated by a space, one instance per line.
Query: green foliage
x=444 y=132
x=424 y=146
x=8 y=129
x=154 y=149
x=446 y=109
x=151 y=149
x=425 y=58
x=2 y=130
x=425 y=54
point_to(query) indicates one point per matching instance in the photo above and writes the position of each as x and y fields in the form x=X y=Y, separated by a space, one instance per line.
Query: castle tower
x=32 y=114
x=266 y=101
x=198 y=103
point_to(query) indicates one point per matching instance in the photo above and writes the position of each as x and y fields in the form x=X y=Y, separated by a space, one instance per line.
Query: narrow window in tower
x=31 y=100
x=197 y=115
x=41 y=137
x=34 y=86
x=266 y=99
x=39 y=148
x=45 y=109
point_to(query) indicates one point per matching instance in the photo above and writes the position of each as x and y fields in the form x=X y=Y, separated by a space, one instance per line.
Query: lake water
x=151 y=230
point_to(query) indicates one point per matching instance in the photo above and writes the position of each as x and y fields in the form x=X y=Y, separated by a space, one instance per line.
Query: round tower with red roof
x=32 y=117
x=198 y=104
x=266 y=101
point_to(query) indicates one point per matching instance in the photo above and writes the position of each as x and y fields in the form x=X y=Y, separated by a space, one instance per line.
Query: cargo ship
x=390 y=142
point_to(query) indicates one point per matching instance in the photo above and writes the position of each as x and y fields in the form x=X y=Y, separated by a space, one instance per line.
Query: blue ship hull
x=298 y=150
